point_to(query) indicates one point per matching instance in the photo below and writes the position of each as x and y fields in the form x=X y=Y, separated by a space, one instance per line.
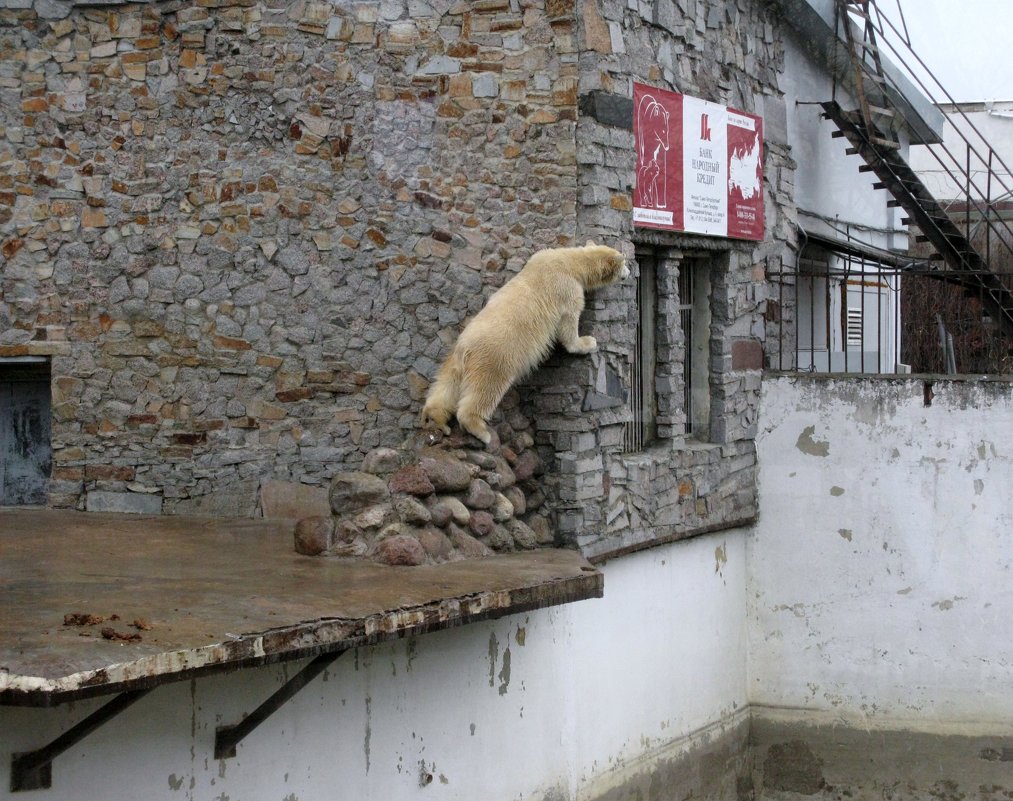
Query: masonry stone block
x=127 y=502
x=288 y=499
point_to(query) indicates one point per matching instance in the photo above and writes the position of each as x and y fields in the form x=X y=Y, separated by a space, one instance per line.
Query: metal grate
x=641 y=429
x=853 y=326
x=849 y=314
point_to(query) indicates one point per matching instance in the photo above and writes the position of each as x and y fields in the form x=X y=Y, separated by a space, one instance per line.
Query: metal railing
x=852 y=314
x=971 y=164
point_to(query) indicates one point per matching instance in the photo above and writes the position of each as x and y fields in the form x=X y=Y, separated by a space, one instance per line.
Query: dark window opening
x=642 y=429
x=26 y=456
x=695 y=320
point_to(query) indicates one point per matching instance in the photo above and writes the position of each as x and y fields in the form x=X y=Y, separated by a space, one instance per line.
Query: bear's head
x=607 y=265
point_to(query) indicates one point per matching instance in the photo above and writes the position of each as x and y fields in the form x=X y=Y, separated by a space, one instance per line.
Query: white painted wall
x=879 y=578
x=559 y=703
x=877 y=595
x=830 y=192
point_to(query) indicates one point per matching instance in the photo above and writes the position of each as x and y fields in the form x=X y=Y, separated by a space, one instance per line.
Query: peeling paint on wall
x=811 y=446
x=720 y=557
x=504 y=674
x=493 y=658
x=925 y=546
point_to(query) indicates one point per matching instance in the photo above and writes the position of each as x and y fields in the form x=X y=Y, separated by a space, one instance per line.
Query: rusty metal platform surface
x=219 y=594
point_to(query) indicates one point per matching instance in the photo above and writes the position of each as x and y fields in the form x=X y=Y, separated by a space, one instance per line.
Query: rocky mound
x=439 y=499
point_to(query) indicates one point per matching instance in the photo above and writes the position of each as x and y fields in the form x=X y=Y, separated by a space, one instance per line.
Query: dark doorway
x=26 y=454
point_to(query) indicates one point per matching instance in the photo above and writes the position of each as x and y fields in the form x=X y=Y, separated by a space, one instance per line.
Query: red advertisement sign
x=699 y=166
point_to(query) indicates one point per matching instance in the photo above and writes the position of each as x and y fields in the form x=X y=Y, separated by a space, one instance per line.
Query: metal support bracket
x=228 y=737
x=33 y=770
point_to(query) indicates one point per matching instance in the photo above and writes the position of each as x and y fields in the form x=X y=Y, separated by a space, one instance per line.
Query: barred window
x=695 y=320
x=642 y=429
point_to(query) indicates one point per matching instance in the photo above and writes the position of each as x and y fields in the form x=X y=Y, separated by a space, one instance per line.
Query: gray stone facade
x=247 y=232
x=610 y=501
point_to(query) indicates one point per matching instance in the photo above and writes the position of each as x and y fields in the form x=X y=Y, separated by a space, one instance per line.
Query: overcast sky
x=968 y=44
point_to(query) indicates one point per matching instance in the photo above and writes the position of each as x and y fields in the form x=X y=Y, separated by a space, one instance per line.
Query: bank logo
x=705 y=128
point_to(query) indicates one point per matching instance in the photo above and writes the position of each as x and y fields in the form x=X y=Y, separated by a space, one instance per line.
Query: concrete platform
x=220 y=594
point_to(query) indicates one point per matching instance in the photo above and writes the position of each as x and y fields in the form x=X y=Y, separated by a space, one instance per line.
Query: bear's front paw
x=586 y=345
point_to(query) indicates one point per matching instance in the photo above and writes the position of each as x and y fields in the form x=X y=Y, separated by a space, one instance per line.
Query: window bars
x=641 y=430
x=844 y=313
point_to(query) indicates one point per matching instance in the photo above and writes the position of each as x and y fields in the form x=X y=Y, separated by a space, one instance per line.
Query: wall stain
x=472 y=727
x=175 y=783
x=493 y=658
x=413 y=647
x=979 y=486
x=944 y=606
x=810 y=446
x=986 y=449
x=193 y=716
x=837 y=491
x=521 y=636
x=720 y=557
x=793 y=767
x=504 y=673
x=845 y=533
x=798 y=610
x=904 y=591
x=369 y=731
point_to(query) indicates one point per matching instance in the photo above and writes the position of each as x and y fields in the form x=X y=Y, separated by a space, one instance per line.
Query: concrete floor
x=223 y=593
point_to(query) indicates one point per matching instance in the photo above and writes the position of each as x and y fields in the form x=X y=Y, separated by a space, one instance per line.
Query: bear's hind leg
x=478 y=402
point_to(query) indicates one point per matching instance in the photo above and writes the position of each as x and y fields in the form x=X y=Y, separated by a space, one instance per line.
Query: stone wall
x=246 y=232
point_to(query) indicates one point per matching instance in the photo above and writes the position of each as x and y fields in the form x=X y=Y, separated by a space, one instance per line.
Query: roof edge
x=813 y=21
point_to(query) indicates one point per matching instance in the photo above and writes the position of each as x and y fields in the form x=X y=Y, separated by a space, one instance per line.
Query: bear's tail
x=441 y=401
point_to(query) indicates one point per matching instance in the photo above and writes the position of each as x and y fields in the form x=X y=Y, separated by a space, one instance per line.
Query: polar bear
x=516 y=330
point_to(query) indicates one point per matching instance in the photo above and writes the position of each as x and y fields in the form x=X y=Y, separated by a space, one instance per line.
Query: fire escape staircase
x=868 y=131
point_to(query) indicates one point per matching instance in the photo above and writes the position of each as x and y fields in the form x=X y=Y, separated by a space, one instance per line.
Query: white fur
x=516 y=330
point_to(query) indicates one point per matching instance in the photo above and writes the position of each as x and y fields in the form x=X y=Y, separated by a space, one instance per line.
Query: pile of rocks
x=435 y=499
